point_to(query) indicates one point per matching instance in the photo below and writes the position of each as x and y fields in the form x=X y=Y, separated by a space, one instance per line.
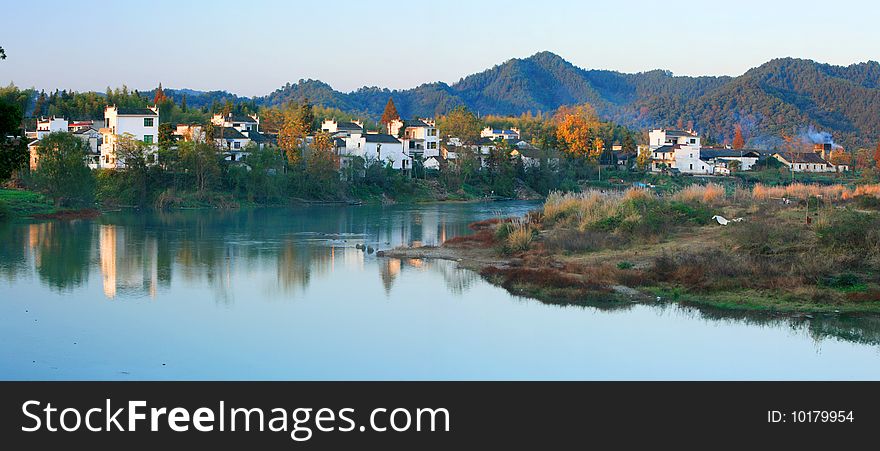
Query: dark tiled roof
x=380 y=138
x=241 y=118
x=532 y=152
x=706 y=153
x=338 y=142
x=679 y=133
x=348 y=126
x=227 y=133
x=257 y=137
x=760 y=152
x=414 y=123
x=666 y=149
x=802 y=157
x=136 y=112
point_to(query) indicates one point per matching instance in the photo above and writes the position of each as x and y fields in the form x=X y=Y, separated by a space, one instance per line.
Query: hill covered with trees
x=781 y=99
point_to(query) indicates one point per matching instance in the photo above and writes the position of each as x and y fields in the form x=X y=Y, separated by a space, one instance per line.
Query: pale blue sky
x=253 y=47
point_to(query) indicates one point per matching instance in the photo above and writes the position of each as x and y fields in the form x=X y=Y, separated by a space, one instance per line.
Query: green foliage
x=25 y=203
x=855 y=232
x=62 y=173
x=625 y=265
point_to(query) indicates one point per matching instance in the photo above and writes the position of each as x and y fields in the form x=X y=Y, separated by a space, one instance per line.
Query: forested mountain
x=781 y=98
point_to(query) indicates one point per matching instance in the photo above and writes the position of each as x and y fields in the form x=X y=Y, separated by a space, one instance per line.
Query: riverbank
x=799 y=258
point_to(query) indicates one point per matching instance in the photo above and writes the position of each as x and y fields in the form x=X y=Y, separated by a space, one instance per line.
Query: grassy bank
x=21 y=203
x=816 y=251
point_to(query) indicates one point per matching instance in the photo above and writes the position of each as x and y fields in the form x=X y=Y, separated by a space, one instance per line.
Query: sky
x=254 y=47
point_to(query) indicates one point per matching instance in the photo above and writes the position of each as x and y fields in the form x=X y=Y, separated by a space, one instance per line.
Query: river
x=287 y=294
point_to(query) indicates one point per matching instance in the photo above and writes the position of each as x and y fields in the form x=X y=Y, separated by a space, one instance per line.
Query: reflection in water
x=138 y=255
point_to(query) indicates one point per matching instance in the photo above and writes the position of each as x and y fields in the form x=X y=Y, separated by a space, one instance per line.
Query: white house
x=50 y=125
x=677 y=149
x=376 y=146
x=420 y=137
x=342 y=128
x=495 y=133
x=239 y=122
x=804 y=162
x=77 y=125
x=141 y=123
x=722 y=158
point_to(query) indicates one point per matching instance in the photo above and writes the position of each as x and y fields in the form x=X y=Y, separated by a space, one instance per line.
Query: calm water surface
x=285 y=294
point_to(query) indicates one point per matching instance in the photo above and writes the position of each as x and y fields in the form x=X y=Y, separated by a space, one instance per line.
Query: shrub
x=854 y=232
x=868 y=202
x=624 y=265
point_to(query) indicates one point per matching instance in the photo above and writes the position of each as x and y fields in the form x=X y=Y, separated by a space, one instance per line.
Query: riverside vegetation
x=800 y=248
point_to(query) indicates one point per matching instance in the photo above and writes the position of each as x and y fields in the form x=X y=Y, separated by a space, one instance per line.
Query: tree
x=264 y=182
x=136 y=156
x=2 y=54
x=62 y=173
x=864 y=159
x=460 y=123
x=321 y=168
x=40 y=104
x=390 y=113
x=877 y=156
x=644 y=157
x=734 y=165
x=160 y=95
x=201 y=161
x=738 y=141
x=576 y=129
x=13 y=149
x=839 y=157
x=296 y=126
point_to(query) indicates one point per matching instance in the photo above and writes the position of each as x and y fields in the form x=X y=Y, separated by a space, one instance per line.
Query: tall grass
x=805 y=191
x=708 y=194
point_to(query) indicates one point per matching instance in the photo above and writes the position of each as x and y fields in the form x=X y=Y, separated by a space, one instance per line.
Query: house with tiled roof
x=371 y=147
x=805 y=162
x=496 y=133
x=420 y=137
x=142 y=124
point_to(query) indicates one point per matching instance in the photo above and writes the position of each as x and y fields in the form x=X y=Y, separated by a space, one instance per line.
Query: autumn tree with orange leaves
x=577 y=130
x=877 y=156
x=738 y=141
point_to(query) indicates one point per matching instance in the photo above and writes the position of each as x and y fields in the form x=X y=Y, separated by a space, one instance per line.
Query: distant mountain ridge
x=782 y=97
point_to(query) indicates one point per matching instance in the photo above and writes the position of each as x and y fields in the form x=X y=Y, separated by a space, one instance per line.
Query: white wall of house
x=494 y=133
x=357 y=145
x=805 y=167
x=142 y=127
x=687 y=160
x=659 y=137
x=240 y=122
x=745 y=163
x=49 y=125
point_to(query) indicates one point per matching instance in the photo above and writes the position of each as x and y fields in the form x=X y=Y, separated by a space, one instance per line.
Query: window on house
x=432 y=145
x=148 y=139
x=693 y=140
x=148 y=122
x=432 y=132
x=692 y=167
x=236 y=125
x=236 y=145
